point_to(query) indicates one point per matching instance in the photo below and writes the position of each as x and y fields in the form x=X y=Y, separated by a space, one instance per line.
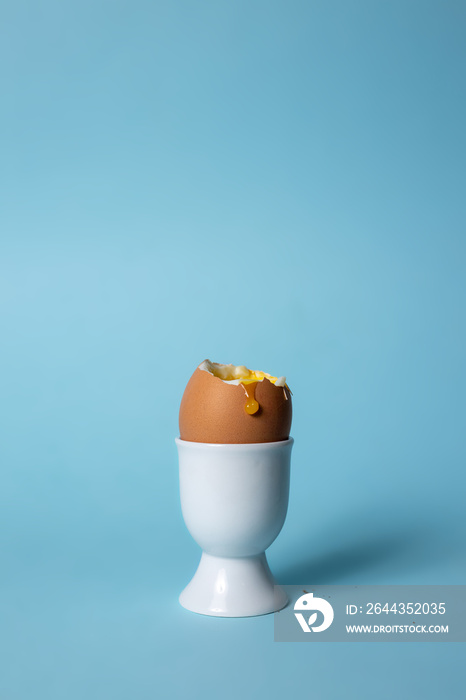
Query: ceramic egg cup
x=234 y=500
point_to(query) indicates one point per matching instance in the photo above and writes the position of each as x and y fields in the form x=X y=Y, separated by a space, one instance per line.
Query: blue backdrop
x=277 y=184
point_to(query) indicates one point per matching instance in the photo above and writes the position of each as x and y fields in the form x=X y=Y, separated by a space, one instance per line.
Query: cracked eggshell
x=213 y=411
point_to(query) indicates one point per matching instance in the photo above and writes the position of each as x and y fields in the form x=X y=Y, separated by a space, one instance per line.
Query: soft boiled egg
x=232 y=404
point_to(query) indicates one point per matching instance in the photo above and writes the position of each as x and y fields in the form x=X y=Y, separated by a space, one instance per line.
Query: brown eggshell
x=213 y=411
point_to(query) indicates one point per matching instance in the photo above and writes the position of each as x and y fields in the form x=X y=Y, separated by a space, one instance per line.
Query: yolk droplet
x=252 y=407
x=251 y=404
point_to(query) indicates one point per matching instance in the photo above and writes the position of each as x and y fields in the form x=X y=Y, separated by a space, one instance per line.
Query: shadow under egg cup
x=234 y=500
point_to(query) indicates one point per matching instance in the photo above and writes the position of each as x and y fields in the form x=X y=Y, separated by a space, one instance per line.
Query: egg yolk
x=248 y=378
x=239 y=374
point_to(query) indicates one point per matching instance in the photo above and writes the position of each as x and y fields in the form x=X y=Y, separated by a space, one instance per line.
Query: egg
x=231 y=404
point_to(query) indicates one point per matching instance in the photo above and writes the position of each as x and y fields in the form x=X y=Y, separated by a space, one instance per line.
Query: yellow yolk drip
x=251 y=404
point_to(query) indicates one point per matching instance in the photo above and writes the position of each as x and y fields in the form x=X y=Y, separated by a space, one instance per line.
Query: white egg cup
x=234 y=500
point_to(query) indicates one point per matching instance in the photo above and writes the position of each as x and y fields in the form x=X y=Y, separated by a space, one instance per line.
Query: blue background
x=279 y=184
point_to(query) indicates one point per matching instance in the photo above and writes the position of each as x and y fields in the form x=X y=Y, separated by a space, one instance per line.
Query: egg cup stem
x=233 y=587
x=234 y=500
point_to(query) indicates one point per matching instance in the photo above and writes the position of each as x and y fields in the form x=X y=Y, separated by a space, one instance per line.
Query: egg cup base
x=233 y=587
